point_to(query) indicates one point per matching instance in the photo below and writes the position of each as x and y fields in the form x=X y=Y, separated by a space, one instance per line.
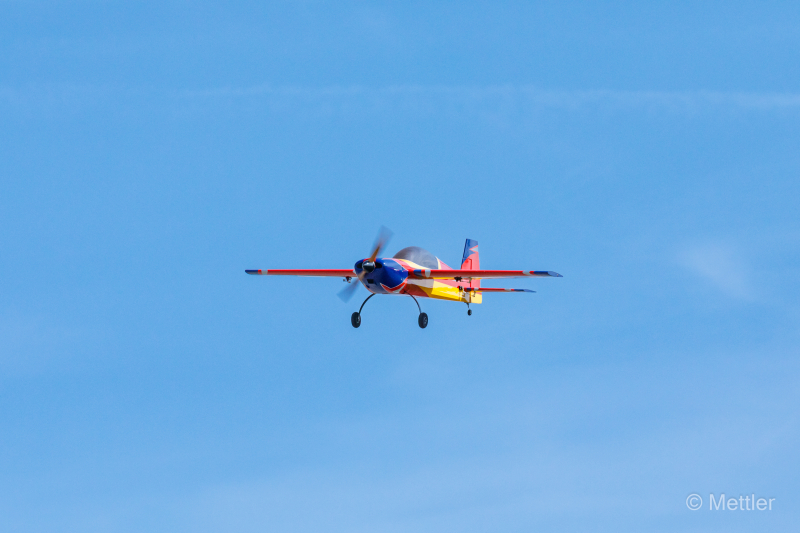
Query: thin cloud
x=763 y=101
x=721 y=267
x=507 y=97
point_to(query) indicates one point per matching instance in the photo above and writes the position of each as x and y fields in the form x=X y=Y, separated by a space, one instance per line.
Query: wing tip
x=549 y=273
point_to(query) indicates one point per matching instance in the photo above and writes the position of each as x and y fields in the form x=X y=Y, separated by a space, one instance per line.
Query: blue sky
x=150 y=152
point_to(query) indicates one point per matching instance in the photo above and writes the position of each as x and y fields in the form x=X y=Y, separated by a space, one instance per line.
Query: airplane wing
x=426 y=273
x=330 y=273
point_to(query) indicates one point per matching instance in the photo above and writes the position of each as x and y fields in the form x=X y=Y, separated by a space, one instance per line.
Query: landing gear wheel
x=355 y=319
x=469 y=312
x=423 y=320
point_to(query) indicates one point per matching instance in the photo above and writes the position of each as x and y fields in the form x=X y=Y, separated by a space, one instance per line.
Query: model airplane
x=417 y=273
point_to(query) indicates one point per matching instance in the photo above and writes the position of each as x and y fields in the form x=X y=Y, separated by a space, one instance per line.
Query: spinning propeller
x=384 y=234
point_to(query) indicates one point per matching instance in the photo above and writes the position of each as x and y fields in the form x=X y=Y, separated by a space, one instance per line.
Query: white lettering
x=715 y=505
x=742 y=503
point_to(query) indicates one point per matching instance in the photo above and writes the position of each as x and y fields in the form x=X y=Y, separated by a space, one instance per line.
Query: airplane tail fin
x=471 y=261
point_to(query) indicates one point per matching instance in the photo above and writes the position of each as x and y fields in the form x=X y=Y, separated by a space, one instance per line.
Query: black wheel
x=355 y=319
x=469 y=312
x=423 y=320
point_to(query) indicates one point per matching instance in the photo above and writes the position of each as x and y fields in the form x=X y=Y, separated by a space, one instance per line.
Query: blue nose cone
x=386 y=274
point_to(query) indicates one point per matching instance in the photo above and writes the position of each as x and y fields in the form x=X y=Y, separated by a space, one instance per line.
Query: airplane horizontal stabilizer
x=485 y=289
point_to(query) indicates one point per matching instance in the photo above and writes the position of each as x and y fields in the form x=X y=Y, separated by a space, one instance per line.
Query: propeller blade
x=348 y=292
x=380 y=242
x=384 y=234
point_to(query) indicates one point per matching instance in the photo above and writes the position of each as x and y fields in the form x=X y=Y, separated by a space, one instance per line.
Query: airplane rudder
x=471 y=259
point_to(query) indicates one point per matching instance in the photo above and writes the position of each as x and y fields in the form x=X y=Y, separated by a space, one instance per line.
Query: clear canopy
x=418 y=255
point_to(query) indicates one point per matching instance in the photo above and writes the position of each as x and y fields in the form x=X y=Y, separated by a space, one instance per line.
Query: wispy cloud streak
x=522 y=95
x=554 y=98
x=720 y=266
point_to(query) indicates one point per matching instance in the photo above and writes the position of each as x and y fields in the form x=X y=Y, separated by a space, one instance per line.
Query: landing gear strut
x=466 y=300
x=355 y=318
x=423 y=317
